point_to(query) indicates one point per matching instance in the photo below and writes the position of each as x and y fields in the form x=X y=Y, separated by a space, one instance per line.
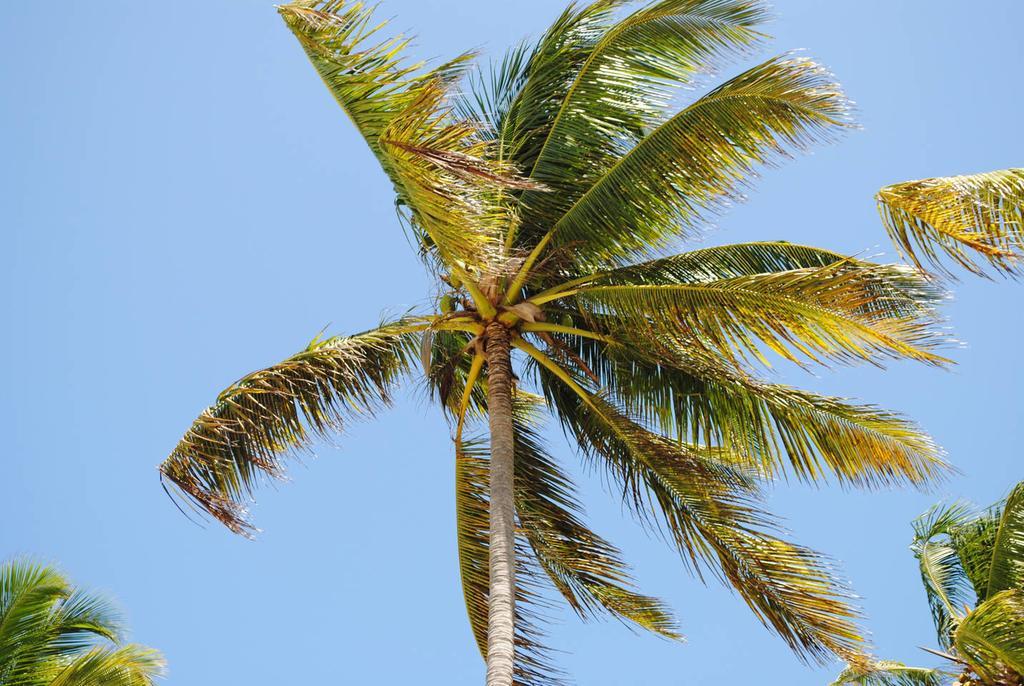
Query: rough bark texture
x=501 y=599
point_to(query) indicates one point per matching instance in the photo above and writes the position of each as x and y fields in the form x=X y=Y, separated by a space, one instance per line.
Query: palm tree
x=973 y=220
x=972 y=568
x=545 y=200
x=52 y=634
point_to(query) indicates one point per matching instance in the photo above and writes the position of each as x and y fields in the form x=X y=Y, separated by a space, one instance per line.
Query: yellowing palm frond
x=832 y=312
x=266 y=414
x=778 y=429
x=718 y=262
x=975 y=221
x=439 y=165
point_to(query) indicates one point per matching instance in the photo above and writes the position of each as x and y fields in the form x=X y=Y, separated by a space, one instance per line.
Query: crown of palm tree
x=546 y=201
x=52 y=634
x=972 y=568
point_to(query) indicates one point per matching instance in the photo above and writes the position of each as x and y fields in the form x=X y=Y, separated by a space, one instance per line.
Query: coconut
x=447 y=303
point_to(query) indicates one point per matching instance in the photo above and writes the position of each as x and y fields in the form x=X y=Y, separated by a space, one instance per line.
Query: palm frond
x=1006 y=568
x=583 y=567
x=240 y=441
x=976 y=221
x=440 y=167
x=780 y=430
x=42 y=617
x=533 y=665
x=730 y=261
x=451 y=356
x=887 y=673
x=699 y=160
x=974 y=540
x=623 y=88
x=847 y=311
x=444 y=175
x=128 y=665
x=525 y=101
x=946 y=583
x=53 y=634
x=710 y=511
x=587 y=570
x=991 y=637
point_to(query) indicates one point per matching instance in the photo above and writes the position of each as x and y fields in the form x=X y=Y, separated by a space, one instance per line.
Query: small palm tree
x=52 y=634
x=545 y=199
x=973 y=220
x=972 y=568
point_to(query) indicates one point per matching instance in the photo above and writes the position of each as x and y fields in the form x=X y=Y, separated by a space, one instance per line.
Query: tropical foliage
x=52 y=634
x=547 y=199
x=975 y=221
x=972 y=568
x=868 y=672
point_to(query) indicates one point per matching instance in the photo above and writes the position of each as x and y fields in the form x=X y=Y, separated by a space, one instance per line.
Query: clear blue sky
x=181 y=202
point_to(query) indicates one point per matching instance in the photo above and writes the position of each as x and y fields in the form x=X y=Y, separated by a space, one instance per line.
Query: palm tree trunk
x=501 y=600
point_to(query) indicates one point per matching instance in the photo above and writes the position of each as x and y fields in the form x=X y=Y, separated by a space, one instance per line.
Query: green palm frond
x=974 y=541
x=43 y=618
x=718 y=262
x=532 y=663
x=945 y=580
x=587 y=570
x=700 y=160
x=711 y=512
x=887 y=673
x=991 y=637
x=832 y=312
x=240 y=440
x=472 y=524
x=968 y=557
x=976 y=221
x=517 y=104
x=52 y=634
x=623 y=89
x=1006 y=569
x=583 y=567
x=129 y=665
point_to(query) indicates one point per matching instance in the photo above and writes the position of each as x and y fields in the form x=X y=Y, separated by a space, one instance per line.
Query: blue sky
x=181 y=202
